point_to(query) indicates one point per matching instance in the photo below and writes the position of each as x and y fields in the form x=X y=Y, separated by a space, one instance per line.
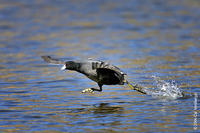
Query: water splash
x=164 y=89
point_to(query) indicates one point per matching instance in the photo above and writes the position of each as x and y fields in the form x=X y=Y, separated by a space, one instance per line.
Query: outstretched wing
x=52 y=60
x=106 y=68
x=105 y=65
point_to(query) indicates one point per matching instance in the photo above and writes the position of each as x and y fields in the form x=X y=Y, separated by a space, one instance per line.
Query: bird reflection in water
x=102 y=108
x=105 y=108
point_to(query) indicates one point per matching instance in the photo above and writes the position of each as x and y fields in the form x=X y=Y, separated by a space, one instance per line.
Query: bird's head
x=70 y=65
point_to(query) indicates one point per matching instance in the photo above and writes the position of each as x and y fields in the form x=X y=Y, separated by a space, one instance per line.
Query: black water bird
x=101 y=72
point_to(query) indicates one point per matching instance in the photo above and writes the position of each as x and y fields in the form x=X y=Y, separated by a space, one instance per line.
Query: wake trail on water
x=163 y=89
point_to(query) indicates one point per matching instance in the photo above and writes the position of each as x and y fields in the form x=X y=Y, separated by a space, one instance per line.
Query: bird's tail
x=52 y=60
x=136 y=87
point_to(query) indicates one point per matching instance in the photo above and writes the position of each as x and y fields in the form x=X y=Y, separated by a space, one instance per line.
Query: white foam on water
x=165 y=89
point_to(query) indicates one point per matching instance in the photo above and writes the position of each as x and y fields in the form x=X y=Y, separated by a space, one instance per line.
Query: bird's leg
x=91 y=90
x=100 y=88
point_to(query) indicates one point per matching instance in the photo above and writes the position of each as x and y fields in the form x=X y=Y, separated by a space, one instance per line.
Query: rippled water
x=143 y=38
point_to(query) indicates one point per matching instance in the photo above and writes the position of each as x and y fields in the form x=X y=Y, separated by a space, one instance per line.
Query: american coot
x=101 y=72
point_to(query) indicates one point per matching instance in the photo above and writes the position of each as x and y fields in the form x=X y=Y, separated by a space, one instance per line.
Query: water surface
x=143 y=38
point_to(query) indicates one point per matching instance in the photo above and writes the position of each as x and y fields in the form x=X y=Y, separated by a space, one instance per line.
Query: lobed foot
x=90 y=90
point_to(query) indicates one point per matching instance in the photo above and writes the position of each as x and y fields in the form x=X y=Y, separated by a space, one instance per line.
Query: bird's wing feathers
x=104 y=65
x=106 y=68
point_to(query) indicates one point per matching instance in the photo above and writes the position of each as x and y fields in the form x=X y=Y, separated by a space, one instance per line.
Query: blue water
x=143 y=38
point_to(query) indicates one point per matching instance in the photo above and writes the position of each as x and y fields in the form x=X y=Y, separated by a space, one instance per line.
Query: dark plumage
x=101 y=72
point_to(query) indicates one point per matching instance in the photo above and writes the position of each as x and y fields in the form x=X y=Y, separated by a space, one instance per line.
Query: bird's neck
x=75 y=67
